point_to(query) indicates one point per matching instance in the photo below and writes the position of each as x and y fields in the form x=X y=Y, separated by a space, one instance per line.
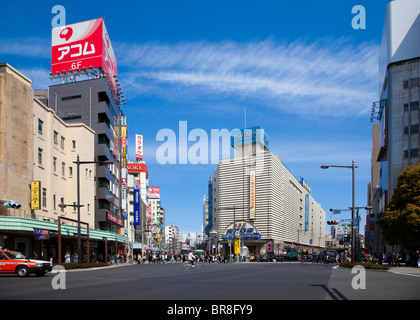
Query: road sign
x=41 y=236
x=336 y=211
x=42 y=232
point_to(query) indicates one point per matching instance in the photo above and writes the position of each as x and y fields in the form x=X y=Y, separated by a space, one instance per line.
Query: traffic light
x=12 y=205
x=270 y=247
x=335 y=222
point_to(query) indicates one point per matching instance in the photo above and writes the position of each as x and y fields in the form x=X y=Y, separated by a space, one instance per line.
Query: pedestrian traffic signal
x=12 y=205
x=335 y=222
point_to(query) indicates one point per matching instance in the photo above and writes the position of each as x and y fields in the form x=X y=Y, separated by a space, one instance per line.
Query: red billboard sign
x=136 y=167
x=139 y=146
x=114 y=219
x=83 y=45
x=154 y=192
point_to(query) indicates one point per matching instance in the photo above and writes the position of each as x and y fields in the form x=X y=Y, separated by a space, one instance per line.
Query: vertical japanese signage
x=136 y=207
x=124 y=146
x=306 y=212
x=237 y=245
x=35 y=195
x=139 y=147
x=252 y=195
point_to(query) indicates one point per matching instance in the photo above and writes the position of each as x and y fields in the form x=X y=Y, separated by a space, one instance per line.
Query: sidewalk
x=406 y=270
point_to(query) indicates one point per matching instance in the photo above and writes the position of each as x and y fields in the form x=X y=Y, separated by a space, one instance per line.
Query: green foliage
x=69 y=266
x=366 y=265
x=400 y=222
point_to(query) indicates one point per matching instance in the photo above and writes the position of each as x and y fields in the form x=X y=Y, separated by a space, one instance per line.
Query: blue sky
x=298 y=67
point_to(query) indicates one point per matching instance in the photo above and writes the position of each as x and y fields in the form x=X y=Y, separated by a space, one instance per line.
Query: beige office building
x=37 y=150
x=255 y=197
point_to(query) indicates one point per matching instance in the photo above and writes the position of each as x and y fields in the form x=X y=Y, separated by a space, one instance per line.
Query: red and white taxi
x=15 y=262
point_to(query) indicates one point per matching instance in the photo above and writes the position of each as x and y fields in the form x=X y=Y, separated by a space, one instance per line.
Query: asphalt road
x=215 y=282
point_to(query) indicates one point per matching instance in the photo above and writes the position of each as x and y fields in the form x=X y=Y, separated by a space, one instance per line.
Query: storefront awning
x=8 y=223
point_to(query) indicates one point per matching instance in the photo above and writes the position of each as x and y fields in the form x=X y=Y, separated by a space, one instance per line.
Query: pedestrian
x=67 y=257
x=94 y=257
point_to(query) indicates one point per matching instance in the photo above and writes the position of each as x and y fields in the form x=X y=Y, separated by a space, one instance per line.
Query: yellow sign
x=35 y=195
x=252 y=195
x=237 y=246
x=123 y=131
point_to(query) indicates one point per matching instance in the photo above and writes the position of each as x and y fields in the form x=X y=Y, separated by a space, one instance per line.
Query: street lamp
x=352 y=167
x=78 y=205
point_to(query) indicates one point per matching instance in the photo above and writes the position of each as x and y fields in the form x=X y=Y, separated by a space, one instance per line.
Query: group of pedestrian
x=74 y=258
x=395 y=258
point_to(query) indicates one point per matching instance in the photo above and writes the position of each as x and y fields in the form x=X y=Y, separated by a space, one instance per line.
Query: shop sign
x=114 y=219
x=252 y=195
x=35 y=195
x=241 y=229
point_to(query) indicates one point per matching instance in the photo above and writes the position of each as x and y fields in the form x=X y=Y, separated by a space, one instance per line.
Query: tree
x=400 y=222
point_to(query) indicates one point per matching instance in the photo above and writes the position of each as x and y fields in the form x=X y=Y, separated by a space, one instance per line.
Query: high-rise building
x=397 y=110
x=257 y=200
x=83 y=59
x=91 y=102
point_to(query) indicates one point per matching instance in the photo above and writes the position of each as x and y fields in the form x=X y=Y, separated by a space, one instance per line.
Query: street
x=227 y=282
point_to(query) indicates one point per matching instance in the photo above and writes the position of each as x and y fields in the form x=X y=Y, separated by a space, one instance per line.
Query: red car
x=15 y=262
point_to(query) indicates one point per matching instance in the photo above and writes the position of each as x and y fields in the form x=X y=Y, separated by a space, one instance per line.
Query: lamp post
x=352 y=167
x=78 y=205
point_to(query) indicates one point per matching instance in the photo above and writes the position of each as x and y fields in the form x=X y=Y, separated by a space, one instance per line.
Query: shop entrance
x=21 y=245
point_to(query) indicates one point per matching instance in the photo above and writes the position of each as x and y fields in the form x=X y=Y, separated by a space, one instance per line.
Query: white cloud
x=28 y=47
x=321 y=78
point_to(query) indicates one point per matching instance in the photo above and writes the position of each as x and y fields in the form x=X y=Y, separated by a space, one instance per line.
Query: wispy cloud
x=321 y=78
x=38 y=76
x=27 y=47
x=326 y=77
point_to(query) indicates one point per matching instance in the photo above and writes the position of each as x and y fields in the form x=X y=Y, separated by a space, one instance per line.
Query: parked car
x=15 y=262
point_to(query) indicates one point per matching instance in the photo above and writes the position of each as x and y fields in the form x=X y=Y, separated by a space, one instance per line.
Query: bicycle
x=189 y=265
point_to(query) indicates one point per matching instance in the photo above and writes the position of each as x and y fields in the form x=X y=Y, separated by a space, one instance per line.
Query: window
x=40 y=126
x=62 y=142
x=71 y=97
x=414 y=128
x=70 y=171
x=63 y=169
x=414 y=105
x=40 y=156
x=414 y=82
x=412 y=153
x=102 y=96
x=55 y=137
x=54 y=202
x=54 y=164
x=62 y=201
x=44 y=197
x=73 y=144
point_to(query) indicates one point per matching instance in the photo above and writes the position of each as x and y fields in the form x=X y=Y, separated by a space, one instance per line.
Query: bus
x=291 y=254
